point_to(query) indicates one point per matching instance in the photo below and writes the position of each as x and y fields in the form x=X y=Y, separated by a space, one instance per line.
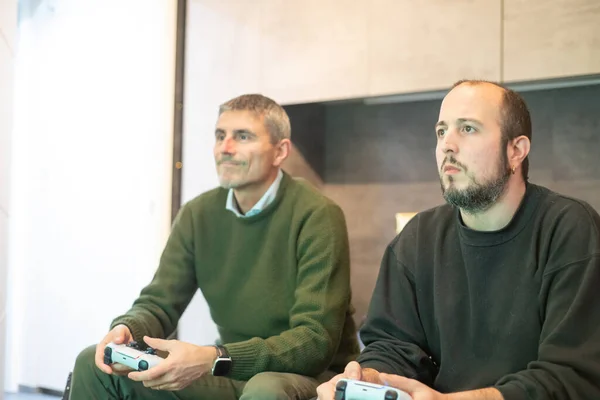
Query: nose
x=228 y=146
x=448 y=143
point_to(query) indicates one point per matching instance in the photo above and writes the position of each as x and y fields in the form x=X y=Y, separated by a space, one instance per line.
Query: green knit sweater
x=277 y=283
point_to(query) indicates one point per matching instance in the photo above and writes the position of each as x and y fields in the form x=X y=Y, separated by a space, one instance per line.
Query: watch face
x=221 y=367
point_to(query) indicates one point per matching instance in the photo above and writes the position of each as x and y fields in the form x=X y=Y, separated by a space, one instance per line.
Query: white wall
x=91 y=175
x=8 y=27
x=201 y=102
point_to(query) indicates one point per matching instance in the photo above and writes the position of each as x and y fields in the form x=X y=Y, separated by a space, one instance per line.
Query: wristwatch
x=222 y=365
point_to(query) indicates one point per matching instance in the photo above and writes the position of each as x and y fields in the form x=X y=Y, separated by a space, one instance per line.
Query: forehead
x=482 y=102
x=241 y=120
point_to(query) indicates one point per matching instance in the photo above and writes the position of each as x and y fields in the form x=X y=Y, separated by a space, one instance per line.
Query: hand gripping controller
x=131 y=356
x=349 y=389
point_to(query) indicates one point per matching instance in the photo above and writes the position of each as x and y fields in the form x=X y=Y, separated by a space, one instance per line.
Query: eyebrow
x=460 y=121
x=219 y=131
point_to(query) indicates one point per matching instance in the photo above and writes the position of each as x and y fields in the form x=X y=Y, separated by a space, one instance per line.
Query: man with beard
x=270 y=256
x=495 y=294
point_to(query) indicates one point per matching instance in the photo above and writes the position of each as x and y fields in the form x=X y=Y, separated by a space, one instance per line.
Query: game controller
x=349 y=389
x=131 y=356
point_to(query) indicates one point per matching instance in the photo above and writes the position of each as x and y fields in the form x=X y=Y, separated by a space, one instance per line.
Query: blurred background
x=107 y=113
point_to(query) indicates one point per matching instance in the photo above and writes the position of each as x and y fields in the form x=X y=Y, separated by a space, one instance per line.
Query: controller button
x=143 y=365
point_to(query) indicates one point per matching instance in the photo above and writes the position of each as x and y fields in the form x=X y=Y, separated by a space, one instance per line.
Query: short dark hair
x=516 y=119
x=275 y=118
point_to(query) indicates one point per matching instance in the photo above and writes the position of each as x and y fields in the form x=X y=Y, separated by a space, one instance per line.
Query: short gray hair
x=276 y=119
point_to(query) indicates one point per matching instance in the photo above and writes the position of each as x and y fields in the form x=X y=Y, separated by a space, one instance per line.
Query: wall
x=379 y=160
x=311 y=50
x=8 y=30
x=91 y=186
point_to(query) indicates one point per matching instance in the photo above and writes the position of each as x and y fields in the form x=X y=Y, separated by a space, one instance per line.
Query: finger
x=326 y=391
x=159 y=383
x=159 y=344
x=169 y=387
x=400 y=382
x=353 y=370
x=99 y=358
x=151 y=374
x=120 y=334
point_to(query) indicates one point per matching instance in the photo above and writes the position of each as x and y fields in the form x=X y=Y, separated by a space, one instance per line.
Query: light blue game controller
x=131 y=356
x=349 y=389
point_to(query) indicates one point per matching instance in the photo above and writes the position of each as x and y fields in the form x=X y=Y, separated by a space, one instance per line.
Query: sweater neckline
x=285 y=180
x=524 y=213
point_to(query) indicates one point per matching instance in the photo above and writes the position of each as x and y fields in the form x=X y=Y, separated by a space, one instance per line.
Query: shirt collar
x=264 y=201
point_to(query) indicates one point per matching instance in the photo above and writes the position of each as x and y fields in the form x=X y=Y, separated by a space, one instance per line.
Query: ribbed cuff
x=511 y=391
x=243 y=357
x=377 y=366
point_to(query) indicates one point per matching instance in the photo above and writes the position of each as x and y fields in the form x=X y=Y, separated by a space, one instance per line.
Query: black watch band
x=223 y=363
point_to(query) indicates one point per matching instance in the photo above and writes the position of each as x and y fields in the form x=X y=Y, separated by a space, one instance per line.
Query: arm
x=568 y=363
x=420 y=391
x=482 y=394
x=322 y=298
x=157 y=310
x=393 y=335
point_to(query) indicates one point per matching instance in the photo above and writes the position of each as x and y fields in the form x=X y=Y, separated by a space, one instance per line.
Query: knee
x=86 y=359
x=269 y=386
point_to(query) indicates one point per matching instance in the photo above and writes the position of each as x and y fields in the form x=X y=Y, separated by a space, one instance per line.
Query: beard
x=478 y=196
x=231 y=177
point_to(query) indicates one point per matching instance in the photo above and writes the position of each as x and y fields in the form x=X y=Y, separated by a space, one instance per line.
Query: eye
x=241 y=136
x=440 y=132
x=469 y=129
x=220 y=137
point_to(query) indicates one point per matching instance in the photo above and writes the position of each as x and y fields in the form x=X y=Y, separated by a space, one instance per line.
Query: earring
x=512 y=169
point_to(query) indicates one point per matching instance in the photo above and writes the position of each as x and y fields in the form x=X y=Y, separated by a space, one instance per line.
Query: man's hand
x=185 y=364
x=419 y=391
x=326 y=391
x=415 y=389
x=120 y=334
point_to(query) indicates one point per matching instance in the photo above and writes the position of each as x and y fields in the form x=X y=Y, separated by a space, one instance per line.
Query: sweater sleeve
x=317 y=317
x=157 y=310
x=393 y=336
x=568 y=362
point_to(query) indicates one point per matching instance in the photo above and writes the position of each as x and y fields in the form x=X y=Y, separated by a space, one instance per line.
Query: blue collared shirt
x=264 y=201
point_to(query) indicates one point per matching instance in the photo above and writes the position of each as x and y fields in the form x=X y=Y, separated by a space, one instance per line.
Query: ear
x=282 y=151
x=517 y=150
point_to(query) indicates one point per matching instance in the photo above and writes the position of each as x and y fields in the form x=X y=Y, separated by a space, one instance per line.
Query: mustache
x=454 y=162
x=230 y=160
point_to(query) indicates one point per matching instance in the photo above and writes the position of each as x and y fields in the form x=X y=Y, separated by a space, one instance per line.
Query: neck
x=501 y=213
x=247 y=196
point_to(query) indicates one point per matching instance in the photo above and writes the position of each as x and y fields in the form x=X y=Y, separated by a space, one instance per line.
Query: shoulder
x=306 y=199
x=425 y=224
x=561 y=206
x=569 y=226
x=302 y=191
x=426 y=227
x=209 y=201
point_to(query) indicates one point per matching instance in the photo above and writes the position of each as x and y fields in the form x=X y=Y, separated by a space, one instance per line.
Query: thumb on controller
x=353 y=370
x=120 y=334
